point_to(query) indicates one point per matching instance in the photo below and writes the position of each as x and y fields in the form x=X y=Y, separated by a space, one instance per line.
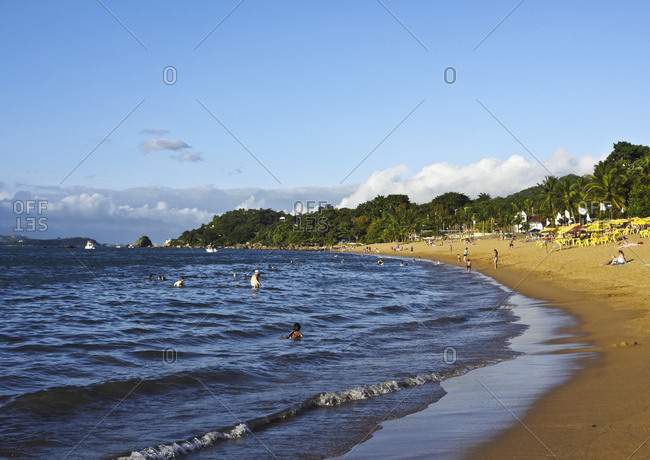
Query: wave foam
x=328 y=399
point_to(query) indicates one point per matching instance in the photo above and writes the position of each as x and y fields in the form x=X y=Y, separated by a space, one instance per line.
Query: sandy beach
x=602 y=412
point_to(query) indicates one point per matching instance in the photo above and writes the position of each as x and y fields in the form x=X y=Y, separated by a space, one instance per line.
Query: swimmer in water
x=180 y=282
x=150 y=277
x=255 y=280
x=380 y=262
x=295 y=334
x=234 y=275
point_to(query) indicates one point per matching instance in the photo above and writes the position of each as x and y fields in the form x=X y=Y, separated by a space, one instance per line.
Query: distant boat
x=210 y=249
x=90 y=245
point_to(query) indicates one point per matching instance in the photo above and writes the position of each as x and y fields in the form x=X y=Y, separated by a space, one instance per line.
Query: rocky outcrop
x=143 y=242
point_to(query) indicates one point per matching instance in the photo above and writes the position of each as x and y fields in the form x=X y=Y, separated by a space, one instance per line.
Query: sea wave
x=327 y=399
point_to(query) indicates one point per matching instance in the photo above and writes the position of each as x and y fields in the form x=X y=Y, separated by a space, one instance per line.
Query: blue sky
x=310 y=88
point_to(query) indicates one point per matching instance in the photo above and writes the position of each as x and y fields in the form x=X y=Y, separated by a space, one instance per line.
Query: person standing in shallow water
x=469 y=266
x=255 y=280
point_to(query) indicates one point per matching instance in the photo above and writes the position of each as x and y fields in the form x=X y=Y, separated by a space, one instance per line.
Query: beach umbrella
x=576 y=229
x=549 y=229
x=568 y=229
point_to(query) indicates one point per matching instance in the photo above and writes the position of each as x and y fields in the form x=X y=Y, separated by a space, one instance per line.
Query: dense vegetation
x=618 y=187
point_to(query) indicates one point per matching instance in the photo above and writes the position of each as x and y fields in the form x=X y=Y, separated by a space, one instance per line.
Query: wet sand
x=603 y=410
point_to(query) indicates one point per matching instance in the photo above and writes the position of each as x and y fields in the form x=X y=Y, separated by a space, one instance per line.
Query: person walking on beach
x=458 y=255
x=255 y=280
x=469 y=266
x=512 y=243
x=465 y=253
x=496 y=258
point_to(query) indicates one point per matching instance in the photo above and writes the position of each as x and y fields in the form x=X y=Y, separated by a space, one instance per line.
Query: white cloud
x=490 y=175
x=5 y=195
x=155 y=132
x=161 y=143
x=189 y=157
x=251 y=203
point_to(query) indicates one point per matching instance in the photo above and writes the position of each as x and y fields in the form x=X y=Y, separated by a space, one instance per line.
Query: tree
x=639 y=204
x=608 y=185
x=565 y=195
x=549 y=195
x=625 y=155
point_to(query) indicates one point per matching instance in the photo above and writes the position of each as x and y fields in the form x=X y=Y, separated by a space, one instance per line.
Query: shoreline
x=600 y=412
x=474 y=407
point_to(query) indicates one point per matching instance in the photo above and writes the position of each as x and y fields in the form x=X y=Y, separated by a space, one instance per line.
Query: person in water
x=295 y=334
x=150 y=277
x=255 y=280
x=180 y=282
x=469 y=266
x=380 y=262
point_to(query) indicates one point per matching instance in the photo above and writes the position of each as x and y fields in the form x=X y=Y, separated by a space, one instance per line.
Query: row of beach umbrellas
x=598 y=225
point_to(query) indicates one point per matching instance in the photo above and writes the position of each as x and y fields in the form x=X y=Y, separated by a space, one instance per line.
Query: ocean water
x=99 y=362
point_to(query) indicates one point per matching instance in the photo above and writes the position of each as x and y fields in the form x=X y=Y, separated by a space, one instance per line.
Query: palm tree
x=549 y=194
x=608 y=185
x=580 y=194
x=565 y=195
x=529 y=207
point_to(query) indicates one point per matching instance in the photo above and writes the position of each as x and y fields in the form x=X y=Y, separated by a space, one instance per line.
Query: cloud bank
x=121 y=216
x=490 y=175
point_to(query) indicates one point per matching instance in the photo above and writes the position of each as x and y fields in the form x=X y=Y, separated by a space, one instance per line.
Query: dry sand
x=603 y=412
